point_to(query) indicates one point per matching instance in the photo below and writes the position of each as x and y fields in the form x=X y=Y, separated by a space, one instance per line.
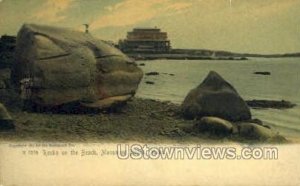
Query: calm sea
x=283 y=83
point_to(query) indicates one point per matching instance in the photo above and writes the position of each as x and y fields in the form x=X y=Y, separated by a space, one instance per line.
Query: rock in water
x=6 y=121
x=152 y=74
x=263 y=73
x=150 y=82
x=214 y=125
x=215 y=97
x=61 y=66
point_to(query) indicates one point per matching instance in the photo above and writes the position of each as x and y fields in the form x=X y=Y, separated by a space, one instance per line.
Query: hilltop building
x=145 y=40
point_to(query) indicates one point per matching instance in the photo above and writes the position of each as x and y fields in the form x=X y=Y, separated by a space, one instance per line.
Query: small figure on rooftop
x=86 y=28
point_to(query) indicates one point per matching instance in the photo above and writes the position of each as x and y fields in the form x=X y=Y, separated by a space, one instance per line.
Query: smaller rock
x=150 y=82
x=256 y=132
x=152 y=74
x=254 y=121
x=263 y=73
x=142 y=64
x=172 y=74
x=214 y=126
x=6 y=121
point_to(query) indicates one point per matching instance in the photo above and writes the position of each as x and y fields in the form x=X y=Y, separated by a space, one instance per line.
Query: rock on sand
x=214 y=125
x=257 y=132
x=215 y=97
x=64 y=66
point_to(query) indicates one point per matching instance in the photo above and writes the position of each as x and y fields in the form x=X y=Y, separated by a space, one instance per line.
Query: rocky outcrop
x=270 y=104
x=215 y=97
x=55 y=66
x=214 y=126
x=6 y=121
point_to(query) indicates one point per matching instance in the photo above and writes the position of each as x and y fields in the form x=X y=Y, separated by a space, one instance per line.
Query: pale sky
x=254 y=26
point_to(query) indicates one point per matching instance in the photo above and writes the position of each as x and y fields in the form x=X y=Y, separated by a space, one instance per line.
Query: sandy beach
x=141 y=120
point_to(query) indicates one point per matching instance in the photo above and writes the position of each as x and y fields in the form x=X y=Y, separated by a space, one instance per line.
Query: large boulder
x=55 y=66
x=214 y=126
x=215 y=97
x=6 y=121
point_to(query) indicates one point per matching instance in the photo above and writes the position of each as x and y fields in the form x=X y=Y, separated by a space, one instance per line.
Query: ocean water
x=283 y=83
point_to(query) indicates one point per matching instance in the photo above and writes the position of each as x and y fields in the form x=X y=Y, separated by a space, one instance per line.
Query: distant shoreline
x=202 y=54
x=181 y=57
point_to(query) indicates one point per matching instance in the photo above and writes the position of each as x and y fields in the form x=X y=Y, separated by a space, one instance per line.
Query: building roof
x=147 y=34
x=146 y=29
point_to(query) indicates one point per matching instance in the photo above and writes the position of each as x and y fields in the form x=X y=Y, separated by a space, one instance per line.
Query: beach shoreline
x=140 y=120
